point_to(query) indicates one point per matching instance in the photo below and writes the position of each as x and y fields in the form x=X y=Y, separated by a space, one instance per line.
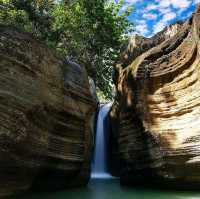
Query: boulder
x=156 y=113
x=46 y=109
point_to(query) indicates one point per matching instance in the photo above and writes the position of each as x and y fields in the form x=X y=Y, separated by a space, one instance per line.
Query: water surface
x=110 y=189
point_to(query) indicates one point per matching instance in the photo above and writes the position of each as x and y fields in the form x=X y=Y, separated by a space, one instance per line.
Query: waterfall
x=99 y=169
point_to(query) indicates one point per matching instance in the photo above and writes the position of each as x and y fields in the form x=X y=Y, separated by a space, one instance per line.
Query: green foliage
x=90 y=32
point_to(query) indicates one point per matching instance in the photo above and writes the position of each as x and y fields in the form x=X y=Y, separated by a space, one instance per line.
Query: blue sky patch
x=151 y=16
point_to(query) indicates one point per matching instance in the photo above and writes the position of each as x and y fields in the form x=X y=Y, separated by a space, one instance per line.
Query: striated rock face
x=46 y=110
x=157 y=108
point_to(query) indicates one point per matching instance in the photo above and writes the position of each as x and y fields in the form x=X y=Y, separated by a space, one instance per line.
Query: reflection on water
x=110 y=189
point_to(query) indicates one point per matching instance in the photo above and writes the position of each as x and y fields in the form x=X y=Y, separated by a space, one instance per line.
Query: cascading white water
x=99 y=169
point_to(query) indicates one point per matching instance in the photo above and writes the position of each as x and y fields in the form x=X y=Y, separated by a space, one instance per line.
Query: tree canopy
x=89 y=32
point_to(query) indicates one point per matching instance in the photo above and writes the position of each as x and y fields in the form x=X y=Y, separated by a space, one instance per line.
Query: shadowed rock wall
x=46 y=110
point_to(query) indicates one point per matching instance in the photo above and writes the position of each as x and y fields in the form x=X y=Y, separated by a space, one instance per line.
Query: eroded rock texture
x=157 y=108
x=45 y=117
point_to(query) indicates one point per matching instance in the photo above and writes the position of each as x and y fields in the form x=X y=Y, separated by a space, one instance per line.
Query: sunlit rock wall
x=157 y=108
x=46 y=109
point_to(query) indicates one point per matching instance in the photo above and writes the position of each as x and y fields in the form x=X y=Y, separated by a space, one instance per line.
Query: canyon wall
x=46 y=112
x=156 y=113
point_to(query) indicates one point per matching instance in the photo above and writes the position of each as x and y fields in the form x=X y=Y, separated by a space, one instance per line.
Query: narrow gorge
x=52 y=136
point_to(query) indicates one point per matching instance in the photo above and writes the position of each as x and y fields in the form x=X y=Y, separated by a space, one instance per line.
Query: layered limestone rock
x=157 y=108
x=46 y=109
